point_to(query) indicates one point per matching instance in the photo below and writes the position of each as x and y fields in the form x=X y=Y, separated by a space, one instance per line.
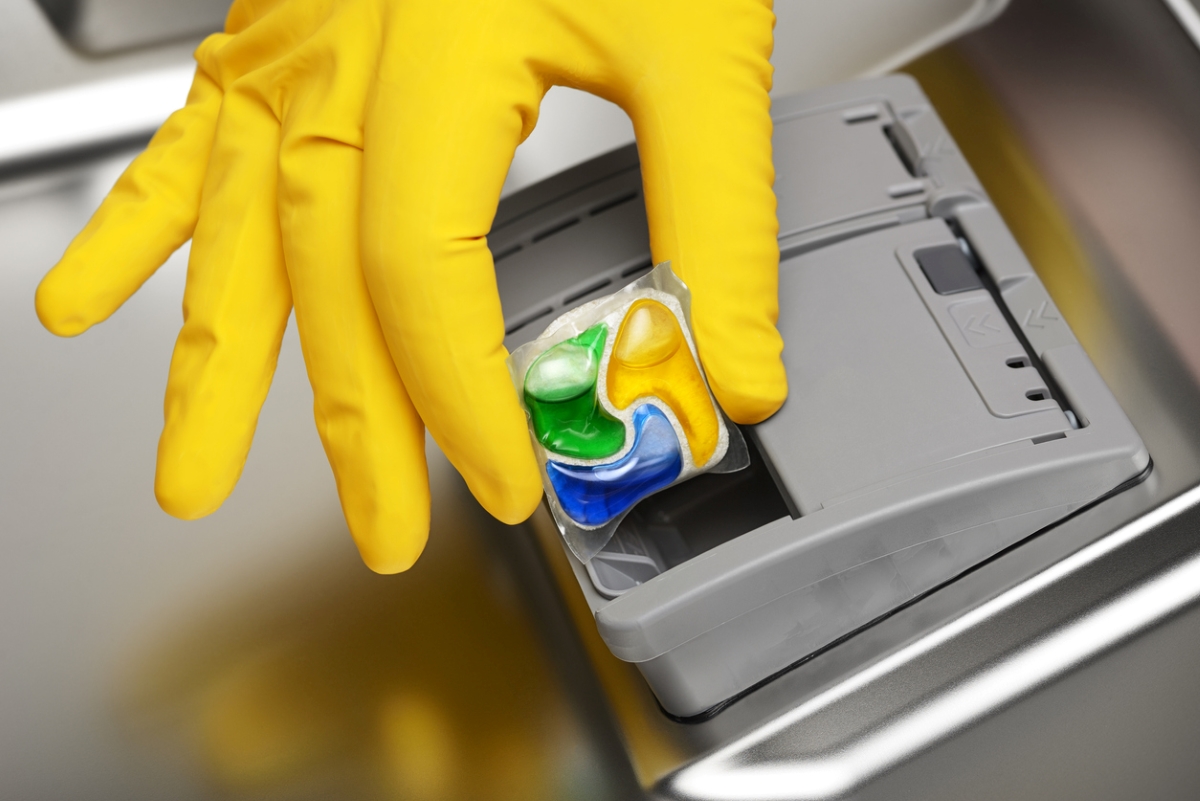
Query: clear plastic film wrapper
x=619 y=408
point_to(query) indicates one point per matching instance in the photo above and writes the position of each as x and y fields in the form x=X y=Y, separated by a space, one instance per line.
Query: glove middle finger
x=372 y=435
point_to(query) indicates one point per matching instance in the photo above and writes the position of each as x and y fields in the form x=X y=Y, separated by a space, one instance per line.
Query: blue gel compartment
x=593 y=495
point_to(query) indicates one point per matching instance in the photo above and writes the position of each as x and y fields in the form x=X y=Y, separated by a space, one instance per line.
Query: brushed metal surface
x=250 y=654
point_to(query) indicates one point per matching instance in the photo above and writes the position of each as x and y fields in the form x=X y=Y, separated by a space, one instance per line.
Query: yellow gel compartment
x=650 y=357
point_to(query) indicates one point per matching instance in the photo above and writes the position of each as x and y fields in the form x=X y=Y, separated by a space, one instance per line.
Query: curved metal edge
x=764 y=766
x=36 y=126
x=1188 y=17
x=982 y=13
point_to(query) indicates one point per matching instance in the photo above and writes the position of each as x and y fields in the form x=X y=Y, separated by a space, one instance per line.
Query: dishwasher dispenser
x=940 y=409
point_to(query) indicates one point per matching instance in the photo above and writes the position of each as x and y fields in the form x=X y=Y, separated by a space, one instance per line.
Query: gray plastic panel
x=1023 y=293
x=879 y=383
x=934 y=464
x=862 y=174
x=886 y=159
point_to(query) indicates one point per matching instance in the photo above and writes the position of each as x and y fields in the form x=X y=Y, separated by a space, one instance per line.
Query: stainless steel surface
x=34 y=58
x=54 y=100
x=1189 y=18
x=99 y=27
x=120 y=67
x=251 y=655
x=1105 y=95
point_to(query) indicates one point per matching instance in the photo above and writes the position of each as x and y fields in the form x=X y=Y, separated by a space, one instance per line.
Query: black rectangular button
x=948 y=270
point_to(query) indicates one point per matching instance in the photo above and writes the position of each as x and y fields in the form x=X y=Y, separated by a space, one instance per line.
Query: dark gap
x=751 y=433
x=504 y=254
x=1018 y=362
x=637 y=268
x=527 y=319
x=553 y=201
x=905 y=150
x=684 y=521
x=717 y=708
x=562 y=226
x=567 y=301
x=1048 y=437
x=63 y=14
x=1052 y=388
x=1037 y=395
x=612 y=204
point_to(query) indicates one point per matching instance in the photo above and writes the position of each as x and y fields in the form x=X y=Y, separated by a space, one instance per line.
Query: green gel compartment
x=561 y=394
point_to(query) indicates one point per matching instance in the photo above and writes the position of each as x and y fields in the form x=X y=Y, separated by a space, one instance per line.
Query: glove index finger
x=701 y=112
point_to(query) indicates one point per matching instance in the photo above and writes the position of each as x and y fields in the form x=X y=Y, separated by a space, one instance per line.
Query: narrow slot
x=1048 y=437
x=504 y=254
x=906 y=151
x=1018 y=362
x=567 y=301
x=527 y=319
x=637 y=268
x=789 y=502
x=861 y=114
x=1037 y=395
x=1052 y=388
x=612 y=204
x=562 y=226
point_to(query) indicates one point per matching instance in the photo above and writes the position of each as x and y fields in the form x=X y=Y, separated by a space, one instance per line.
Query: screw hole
x=1018 y=362
x=1037 y=395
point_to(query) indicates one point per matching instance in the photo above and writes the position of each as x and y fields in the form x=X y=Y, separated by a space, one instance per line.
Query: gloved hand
x=347 y=156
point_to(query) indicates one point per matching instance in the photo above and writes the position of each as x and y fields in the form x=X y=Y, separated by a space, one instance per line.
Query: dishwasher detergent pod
x=618 y=407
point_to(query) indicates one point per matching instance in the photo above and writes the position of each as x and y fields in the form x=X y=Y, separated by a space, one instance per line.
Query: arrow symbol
x=1037 y=318
x=982 y=325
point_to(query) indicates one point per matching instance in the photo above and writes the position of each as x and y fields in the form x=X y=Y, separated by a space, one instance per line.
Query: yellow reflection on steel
x=1016 y=187
x=337 y=682
x=650 y=738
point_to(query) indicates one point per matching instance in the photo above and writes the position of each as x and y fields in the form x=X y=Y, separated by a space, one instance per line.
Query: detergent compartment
x=940 y=410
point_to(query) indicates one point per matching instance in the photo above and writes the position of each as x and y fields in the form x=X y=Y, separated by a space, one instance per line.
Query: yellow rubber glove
x=347 y=156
